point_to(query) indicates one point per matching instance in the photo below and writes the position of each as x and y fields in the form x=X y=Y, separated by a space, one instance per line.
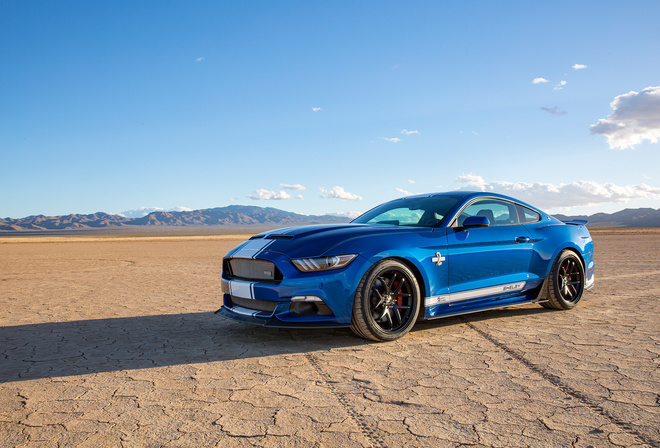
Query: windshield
x=413 y=212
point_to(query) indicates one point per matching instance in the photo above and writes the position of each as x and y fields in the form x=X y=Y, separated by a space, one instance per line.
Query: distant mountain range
x=630 y=217
x=233 y=215
x=241 y=215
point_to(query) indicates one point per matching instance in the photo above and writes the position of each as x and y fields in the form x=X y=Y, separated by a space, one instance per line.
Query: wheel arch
x=421 y=281
x=570 y=248
x=545 y=257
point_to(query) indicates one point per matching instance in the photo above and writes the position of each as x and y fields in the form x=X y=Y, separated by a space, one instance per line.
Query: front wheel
x=386 y=303
x=566 y=282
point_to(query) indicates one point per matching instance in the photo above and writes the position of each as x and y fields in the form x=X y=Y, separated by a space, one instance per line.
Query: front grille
x=257 y=305
x=249 y=269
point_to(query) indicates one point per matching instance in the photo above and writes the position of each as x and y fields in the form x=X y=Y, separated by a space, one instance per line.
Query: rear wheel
x=566 y=282
x=386 y=303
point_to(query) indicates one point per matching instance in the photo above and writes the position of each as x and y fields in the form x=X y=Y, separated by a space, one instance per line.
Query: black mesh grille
x=257 y=305
x=249 y=269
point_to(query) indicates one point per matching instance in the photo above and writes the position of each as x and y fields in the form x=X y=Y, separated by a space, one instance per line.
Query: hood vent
x=280 y=237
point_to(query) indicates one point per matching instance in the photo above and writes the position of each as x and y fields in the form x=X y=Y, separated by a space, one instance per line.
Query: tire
x=387 y=302
x=546 y=305
x=566 y=282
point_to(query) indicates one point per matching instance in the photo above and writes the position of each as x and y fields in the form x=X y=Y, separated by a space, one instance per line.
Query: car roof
x=467 y=195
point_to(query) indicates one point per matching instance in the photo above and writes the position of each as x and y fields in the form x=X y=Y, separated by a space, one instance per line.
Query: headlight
x=323 y=263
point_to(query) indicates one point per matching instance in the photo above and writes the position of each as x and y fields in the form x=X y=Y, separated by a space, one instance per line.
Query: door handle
x=523 y=239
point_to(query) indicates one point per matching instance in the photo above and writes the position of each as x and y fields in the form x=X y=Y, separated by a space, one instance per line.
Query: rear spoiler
x=577 y=222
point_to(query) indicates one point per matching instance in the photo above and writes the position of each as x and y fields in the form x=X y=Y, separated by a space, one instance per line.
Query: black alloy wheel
x=566 y=282
x=387 y=302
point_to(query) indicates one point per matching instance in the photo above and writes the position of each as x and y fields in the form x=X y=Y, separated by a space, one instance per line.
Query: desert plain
x=112 y=342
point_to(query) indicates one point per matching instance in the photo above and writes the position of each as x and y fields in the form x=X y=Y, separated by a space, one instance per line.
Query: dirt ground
x=113 y=342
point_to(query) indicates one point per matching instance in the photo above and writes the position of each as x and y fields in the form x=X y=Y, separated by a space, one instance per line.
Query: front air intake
x=249 y=269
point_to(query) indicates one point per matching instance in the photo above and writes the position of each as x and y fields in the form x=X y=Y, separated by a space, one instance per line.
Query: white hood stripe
x=253 y=248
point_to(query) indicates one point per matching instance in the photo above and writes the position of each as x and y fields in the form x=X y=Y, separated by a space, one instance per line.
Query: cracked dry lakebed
x=113 y=342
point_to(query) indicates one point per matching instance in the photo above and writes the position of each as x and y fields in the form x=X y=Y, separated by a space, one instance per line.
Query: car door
x=487 y=261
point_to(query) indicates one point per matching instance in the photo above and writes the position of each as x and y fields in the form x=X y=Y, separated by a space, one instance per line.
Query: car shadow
x=478 y=316
x=58 y=349
x=82 y=347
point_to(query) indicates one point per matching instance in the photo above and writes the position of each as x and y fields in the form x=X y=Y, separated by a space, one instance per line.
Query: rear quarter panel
x=551 y=238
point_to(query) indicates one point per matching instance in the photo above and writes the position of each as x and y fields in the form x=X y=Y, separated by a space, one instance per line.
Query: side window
x=498 y=212
x=527 y=215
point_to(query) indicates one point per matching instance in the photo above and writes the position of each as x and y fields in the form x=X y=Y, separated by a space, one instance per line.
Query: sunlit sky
x=326 y=107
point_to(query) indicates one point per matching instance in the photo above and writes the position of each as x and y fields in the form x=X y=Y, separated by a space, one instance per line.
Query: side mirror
x=475 y=221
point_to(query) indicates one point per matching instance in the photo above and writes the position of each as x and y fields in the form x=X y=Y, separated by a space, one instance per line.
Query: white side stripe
x=473 y=294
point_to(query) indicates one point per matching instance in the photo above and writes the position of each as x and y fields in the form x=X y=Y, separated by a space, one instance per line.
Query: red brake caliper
x=399 y=299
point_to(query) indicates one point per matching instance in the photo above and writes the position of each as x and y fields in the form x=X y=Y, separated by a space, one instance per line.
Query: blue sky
x=122 y=106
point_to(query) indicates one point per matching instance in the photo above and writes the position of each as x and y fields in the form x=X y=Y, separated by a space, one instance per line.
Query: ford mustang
x=415 y=258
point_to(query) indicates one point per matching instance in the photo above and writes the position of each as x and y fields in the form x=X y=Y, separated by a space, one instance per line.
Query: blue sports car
x=418 y=257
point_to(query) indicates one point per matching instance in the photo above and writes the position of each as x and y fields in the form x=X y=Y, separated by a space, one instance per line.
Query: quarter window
x=498 y=212
x=527 y=215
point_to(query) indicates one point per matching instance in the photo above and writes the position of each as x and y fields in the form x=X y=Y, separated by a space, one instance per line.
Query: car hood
x=320 y=240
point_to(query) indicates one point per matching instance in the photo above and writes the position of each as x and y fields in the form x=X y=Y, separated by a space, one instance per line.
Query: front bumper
x=243 y=316
x=277 y=304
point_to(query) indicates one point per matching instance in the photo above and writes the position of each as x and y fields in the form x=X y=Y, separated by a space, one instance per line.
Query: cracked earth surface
x=113 y=343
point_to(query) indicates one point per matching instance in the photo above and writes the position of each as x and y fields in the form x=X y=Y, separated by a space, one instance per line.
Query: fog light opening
x=309 y=306
x=306 y=299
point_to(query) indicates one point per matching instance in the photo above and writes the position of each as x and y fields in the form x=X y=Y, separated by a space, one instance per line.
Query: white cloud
x=635 y=117
x=199 y=59
x=539 y=80
x=140 y=212
x=472 y=180
x=316 y=109
x=579 y=66
x=407 y=132
x=553 y=110
x=269 y=195
x=561 y=85
x=567 y=195
x=350 y=215
x=393 y=139
x=339 y=193
x=296 y=187
x=410 y=181
x=403 y=192
x=144 y=211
